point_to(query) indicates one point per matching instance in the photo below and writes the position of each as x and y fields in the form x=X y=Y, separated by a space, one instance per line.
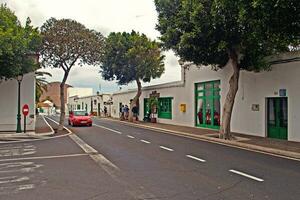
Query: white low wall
x=9 y=102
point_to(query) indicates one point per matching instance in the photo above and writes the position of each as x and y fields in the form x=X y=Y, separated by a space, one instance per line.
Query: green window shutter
x=165 y=107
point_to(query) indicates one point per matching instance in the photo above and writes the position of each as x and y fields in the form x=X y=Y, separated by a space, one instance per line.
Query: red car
x=79 y=118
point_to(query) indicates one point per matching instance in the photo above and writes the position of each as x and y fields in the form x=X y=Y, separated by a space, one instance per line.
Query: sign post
x=25 y=111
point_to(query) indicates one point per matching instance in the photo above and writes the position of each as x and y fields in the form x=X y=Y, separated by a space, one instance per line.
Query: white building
x=93 y=104
x=46 y=108
x=79 y=91
x=9 y=102
x=267 y=103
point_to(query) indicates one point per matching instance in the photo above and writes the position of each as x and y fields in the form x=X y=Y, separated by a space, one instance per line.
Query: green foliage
x=152 y=104
x=67 y=42
x=206 y=32
x=131 y=57
x=40 y=84
x=16 y=44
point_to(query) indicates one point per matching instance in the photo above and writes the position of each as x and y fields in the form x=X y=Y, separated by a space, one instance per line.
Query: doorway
x=208 y=107
x=99 y=111
x=277 y=118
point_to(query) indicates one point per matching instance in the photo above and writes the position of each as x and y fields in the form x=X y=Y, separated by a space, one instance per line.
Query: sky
x=102 y=15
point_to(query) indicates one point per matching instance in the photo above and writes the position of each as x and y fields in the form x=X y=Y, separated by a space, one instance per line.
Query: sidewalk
x=266 y=145
x=42 y=128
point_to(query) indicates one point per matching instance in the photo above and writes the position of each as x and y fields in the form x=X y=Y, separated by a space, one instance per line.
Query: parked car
x=80 y=118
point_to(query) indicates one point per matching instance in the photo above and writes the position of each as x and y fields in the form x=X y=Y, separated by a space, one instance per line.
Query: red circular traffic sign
x=25 y=110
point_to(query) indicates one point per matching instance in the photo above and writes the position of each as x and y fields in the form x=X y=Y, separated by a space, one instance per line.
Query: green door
x=207 y=108
x=277 y=117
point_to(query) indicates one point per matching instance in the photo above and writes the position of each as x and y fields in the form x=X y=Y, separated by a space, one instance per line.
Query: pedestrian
x=126 y=111
x=135 y=111
x=122 y=112
x=105 y=111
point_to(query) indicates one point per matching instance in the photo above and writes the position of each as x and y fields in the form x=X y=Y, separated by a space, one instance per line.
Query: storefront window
x=200 y=87
x=208 y=104
x=272 y=112
x=208 y=113
x=217 y=109
x=200 y=112
x=283 y=113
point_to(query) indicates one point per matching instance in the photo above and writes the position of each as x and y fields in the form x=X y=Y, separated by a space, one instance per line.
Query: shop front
x=207 y=104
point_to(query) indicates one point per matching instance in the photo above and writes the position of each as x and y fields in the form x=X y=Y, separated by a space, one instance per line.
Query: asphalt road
x=115 y=161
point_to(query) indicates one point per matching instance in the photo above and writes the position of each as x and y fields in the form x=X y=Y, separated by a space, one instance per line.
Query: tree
x=66 y=43
x=238 y=32
x=40 y=84
x=132 y=57
x=17 y=43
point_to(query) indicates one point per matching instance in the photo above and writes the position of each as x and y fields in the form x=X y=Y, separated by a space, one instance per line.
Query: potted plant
x=153 y=103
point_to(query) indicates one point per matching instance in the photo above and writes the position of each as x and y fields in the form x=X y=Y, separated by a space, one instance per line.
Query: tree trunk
x=135 y=100
x=225 y=131
x=62 y=102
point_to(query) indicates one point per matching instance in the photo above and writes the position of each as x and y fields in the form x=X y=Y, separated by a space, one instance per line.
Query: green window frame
x=165 y=107
x=208 y=94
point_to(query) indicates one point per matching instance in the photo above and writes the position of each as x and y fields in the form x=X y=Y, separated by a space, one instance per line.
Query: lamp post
x=19 y=79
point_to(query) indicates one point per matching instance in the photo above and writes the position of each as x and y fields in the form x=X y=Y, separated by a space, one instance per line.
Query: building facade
x=9 y=103
x=53 y=94
x=46 y=108
x=93 y=104
x=267 y=103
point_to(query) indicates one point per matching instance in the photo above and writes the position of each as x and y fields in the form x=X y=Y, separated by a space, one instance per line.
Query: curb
x=266 y=150
x=31 y=134
x=49 y=133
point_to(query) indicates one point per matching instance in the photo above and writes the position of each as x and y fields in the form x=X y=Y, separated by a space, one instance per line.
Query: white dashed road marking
x=145 y=141
x=166 y=148
x=130 y=136
x=246 y=175
x=112 y=130
x=195 y=158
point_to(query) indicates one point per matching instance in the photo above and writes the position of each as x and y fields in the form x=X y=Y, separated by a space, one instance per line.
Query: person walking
x=105 y=111
x=126 y=111
x=135 y=111
x=122 y=117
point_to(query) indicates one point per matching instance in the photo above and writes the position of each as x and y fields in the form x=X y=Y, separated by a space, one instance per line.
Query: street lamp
x=19 y=79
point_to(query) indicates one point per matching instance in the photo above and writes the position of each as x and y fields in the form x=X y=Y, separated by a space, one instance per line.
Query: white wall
x=257 y=87
x=254 y=88
x=123 y=98
x=9 y=102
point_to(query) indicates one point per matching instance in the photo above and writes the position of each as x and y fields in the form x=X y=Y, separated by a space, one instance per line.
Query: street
x=114 y=161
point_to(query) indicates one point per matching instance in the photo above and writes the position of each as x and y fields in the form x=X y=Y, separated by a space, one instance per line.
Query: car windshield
x=80 y=113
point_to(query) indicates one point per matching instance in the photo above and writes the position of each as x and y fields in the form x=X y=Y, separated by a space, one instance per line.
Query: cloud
x=104 y=16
